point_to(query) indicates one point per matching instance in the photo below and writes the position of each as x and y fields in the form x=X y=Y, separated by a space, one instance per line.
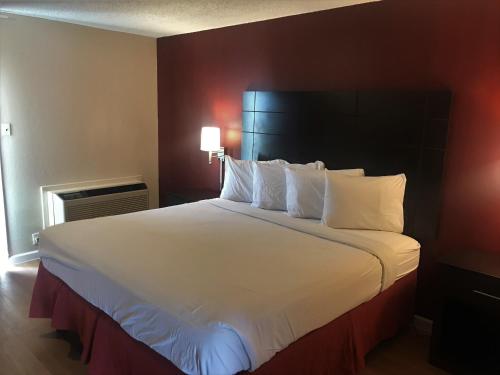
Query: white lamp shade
x=210 y=138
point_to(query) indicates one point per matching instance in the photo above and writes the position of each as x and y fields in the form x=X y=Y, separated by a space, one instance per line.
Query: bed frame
x=383 y=132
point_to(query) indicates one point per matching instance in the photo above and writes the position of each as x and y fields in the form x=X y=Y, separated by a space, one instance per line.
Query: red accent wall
x=393 y=44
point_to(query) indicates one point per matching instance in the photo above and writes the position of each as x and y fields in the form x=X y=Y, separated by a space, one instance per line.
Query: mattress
x=218 y=287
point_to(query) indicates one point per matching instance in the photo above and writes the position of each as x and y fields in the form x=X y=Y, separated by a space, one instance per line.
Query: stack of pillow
x=343 y=198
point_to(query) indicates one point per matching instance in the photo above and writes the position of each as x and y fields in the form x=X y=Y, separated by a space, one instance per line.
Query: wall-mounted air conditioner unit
x=95 y=200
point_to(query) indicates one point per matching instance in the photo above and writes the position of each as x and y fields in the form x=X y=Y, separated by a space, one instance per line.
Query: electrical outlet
x=35 y=238
x=5 y=129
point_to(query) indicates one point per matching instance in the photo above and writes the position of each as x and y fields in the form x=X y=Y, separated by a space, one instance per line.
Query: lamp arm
x=219 y=154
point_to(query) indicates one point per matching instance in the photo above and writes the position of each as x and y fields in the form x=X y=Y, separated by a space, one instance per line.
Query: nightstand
x=172 y=198
x=466 y=330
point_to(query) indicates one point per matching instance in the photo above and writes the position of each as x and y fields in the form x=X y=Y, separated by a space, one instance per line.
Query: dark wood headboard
x=384 y=132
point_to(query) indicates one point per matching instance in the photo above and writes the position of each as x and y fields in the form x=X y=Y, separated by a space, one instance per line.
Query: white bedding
x=216 y=286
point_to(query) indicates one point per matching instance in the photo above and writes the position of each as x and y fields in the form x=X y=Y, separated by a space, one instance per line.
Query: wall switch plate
x=35 y=238
x=5 y=129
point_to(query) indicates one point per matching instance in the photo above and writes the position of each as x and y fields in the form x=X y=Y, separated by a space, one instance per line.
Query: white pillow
x=238 y=178
x=364 y=202
x=269 y=184
x=305 y=190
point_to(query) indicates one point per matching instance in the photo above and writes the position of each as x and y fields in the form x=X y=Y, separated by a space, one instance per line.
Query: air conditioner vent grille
x=108 y=207
x=96 y=201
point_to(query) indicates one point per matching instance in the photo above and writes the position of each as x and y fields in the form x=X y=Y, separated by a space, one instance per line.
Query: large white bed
x=218 y=287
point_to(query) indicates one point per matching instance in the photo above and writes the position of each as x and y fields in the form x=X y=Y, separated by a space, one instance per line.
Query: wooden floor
x=32 y=347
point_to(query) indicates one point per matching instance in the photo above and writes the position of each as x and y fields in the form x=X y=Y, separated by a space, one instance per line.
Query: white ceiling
x=158 y=18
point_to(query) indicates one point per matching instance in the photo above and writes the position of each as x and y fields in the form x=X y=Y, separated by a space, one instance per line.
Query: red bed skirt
x=337 y=348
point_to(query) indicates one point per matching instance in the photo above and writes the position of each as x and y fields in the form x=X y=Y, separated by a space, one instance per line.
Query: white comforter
x=226 y=286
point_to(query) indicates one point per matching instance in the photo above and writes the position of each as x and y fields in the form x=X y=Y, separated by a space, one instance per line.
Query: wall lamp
x=210 y=142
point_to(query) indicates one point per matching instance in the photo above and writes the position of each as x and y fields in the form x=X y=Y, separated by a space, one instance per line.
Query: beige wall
x=83 y=106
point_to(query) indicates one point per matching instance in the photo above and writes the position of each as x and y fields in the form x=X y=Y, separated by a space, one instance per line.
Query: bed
x=220 y=287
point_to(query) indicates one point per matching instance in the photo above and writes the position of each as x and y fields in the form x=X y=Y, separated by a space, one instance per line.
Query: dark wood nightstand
x=466 y=330
x=172 y=198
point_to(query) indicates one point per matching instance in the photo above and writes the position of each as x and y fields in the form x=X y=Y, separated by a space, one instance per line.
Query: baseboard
x=422 y=325
x=24 y=257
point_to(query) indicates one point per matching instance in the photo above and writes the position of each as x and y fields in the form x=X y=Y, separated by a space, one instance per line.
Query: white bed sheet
x=406 y=249
x=218 y=287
